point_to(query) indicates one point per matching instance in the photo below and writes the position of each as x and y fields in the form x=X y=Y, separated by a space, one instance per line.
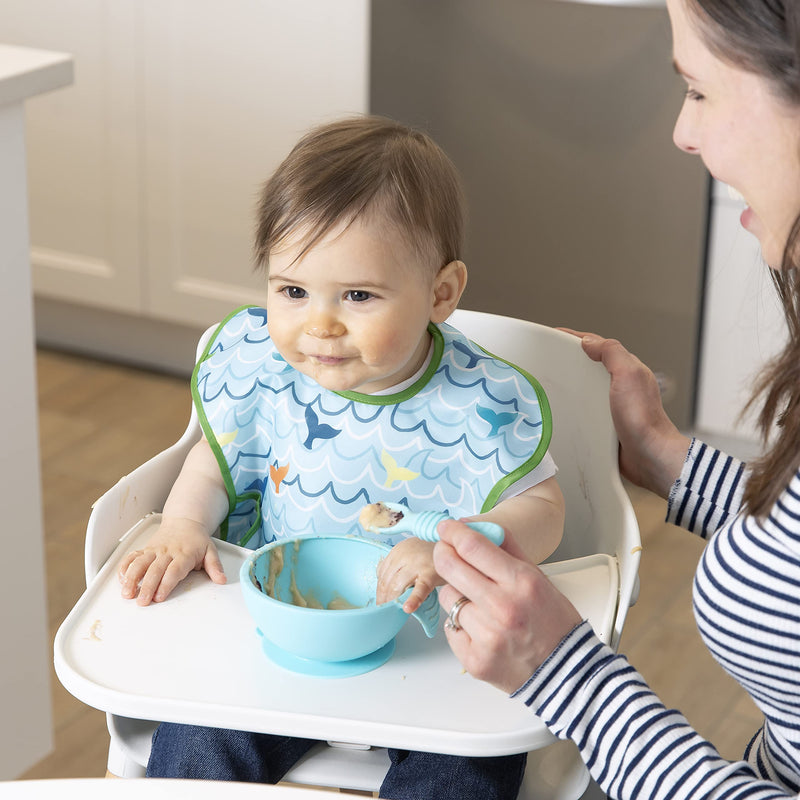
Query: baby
x=347 y=388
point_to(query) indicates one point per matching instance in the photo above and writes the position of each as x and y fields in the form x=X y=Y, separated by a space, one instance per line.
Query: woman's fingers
x=611 y=352
x=579 y=334
x=515 y=616
x=474 y=560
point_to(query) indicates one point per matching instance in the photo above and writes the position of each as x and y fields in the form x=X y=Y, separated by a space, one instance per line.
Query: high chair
x=599 y=519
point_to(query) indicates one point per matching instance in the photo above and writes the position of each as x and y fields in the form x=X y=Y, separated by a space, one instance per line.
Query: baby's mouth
x=328 y=360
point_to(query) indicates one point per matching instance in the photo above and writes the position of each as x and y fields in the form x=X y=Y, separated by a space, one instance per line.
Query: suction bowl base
x=327 y=669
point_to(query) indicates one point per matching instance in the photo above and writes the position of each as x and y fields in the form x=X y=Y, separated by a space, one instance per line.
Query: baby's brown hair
x=362 y=165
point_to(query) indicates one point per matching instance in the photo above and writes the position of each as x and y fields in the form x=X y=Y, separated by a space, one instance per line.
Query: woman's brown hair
x=763 y=36
x=364 y=165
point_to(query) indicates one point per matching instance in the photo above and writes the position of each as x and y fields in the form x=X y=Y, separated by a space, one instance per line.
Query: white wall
x=743 y=323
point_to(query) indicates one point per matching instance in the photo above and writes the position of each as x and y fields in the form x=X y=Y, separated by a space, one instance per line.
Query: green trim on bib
x=410 y=391
x=544 y=441
x=210 y=436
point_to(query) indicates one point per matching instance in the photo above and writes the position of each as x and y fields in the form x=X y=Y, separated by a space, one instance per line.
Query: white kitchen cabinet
x=144 y=175
x=227 y=94
x=83 y=170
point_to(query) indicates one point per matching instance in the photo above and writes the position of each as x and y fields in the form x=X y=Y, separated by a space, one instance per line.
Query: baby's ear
x=448 y=286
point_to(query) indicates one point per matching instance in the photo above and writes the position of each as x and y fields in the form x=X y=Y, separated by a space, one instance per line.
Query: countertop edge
x=25 y=72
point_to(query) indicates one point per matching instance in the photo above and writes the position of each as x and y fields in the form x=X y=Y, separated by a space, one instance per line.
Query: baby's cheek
x=377 y=349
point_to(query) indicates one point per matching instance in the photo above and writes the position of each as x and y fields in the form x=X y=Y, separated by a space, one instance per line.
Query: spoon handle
x=422 y=524
x=491 y=530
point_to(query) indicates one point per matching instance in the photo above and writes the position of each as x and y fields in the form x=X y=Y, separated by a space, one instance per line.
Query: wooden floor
x=98 y=421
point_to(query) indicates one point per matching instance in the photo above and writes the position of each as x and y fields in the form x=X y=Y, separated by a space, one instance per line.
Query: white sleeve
x=545 y=469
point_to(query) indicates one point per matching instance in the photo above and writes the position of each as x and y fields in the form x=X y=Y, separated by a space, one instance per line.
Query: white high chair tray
x=197 y=659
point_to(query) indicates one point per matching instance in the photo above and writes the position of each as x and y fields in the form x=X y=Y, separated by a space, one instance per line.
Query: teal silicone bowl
x=342 y=631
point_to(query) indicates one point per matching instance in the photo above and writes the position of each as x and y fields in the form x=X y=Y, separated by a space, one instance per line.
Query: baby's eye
x=358 y=295
x=294 y=292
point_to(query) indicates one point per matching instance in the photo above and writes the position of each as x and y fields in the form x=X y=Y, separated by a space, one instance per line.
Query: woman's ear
x=448 y=286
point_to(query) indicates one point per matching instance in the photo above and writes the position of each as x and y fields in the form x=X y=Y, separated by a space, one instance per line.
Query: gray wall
x=559 y=116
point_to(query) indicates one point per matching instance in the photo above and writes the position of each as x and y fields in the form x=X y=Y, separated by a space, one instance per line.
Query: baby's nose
x=324 y=328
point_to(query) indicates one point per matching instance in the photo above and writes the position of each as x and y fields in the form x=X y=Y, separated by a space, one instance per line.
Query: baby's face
x=353 y=312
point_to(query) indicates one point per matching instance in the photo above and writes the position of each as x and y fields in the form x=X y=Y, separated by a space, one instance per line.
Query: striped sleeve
x=708 y=490
x=633 y=745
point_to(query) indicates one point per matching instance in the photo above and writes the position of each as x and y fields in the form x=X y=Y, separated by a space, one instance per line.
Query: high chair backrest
x=599 y=515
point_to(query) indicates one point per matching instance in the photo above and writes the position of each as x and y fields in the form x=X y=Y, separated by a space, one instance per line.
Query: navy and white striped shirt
x=747 y=607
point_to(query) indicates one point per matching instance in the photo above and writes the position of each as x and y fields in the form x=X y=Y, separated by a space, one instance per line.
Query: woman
x=741 y=62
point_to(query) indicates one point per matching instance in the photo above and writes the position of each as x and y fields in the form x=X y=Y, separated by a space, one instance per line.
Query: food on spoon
x=376 y=516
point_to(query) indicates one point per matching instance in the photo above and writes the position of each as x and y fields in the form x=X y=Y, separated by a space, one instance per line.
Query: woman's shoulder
x=785 y=513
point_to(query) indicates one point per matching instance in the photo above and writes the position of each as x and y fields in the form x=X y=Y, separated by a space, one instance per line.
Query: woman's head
x=761 y=36
x=741 y=61
x=359 y=168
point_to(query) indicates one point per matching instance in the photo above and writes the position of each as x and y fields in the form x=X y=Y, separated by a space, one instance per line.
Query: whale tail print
x=227 y=437
x=395 y=472
x=316 y=429
x=277 y=474
x=473 y=358
x=496 y=419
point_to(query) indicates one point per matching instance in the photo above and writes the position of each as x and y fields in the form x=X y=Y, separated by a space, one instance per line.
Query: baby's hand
x=409 y=563
x=175 y=549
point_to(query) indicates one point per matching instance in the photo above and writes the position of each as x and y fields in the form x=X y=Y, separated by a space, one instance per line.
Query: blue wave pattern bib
x=299 y=459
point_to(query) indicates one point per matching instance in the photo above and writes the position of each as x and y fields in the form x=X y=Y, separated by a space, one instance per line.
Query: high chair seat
x=419 y=699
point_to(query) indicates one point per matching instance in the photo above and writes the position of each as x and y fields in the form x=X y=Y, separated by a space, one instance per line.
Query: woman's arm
x=708 y=491
x=632 y=744
x=519 y=625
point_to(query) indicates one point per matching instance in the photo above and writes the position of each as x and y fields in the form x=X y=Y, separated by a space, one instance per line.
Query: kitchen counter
x=24 y=679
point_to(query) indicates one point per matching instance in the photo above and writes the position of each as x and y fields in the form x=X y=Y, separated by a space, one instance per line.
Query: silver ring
x=451 y=624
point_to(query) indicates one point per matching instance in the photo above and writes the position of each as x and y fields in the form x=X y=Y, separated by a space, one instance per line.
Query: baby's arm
x=197 y=504
x=535 y=517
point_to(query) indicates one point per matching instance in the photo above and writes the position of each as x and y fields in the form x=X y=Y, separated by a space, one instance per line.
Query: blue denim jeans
x=188 y=751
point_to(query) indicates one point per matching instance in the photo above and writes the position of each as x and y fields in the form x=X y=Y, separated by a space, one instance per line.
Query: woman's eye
x=358 y=296
x=693 y=94
x=294 y=292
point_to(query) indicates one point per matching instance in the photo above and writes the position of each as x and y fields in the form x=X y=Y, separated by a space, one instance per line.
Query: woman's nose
x=684 y=134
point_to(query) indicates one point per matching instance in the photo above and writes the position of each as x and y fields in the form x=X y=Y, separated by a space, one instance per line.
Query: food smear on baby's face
x=376 y=516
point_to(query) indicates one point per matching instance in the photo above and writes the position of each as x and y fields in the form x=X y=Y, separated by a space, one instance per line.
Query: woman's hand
x=178 y=547
x=516 y=617
x=409 y=563
x=652 y=450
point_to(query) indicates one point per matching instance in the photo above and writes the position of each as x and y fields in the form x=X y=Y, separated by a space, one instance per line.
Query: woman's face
x=747 y=136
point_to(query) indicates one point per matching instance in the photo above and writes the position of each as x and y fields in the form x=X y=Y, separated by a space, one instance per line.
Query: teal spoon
x=422 y=524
